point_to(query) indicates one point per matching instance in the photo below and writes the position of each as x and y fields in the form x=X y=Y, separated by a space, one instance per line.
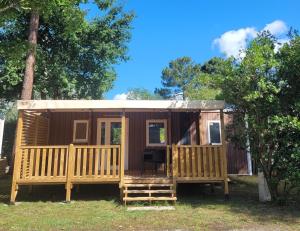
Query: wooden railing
x=42 y=164
x=92 y=163
x=196 y=162
x=67 y=163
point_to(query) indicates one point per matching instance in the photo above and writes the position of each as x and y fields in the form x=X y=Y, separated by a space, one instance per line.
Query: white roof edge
x=119 y=104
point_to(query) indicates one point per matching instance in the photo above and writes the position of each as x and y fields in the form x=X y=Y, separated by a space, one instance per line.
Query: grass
x=97 y=208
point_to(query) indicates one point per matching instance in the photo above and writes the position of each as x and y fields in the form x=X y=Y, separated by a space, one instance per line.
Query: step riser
x=149 y=189
x=148 y=182
x=149 y=198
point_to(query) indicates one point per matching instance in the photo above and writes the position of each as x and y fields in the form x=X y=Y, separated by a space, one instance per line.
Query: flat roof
x=120 y=104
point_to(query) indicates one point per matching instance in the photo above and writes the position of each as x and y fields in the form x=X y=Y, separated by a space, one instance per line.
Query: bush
x=9 y=132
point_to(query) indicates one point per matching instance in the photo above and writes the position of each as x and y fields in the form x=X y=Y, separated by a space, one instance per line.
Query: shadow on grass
x=243 y=198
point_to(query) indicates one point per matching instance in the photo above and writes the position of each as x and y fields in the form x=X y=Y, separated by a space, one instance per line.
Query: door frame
x=107 y=138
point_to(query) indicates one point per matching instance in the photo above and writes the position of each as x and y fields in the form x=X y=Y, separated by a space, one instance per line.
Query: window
x=214 y=132
x=80 y=131
x=156 y=132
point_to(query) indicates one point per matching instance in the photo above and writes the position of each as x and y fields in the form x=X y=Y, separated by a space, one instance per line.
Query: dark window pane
x=214 y=130
x=115 y=133
x=102 y=139
x=81 y=131
x=157 y=133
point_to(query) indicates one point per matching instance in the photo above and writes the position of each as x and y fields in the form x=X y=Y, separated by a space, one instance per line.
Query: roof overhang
x=120 y=104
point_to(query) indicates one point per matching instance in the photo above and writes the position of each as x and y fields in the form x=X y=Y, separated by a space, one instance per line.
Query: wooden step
x=148 y=181
x=150 y=198
x=149 y=191
x=148 y=185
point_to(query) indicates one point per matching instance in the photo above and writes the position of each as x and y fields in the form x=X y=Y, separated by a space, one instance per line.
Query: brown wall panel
x=61 y=132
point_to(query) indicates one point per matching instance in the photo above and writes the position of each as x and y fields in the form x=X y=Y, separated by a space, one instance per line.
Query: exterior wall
x=237 y=157
x=61 y=132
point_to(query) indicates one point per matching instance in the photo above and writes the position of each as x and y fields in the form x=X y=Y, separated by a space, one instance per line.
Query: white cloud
x=122 y=96
x=232 y=42
x=277 y=27
x=280 y=43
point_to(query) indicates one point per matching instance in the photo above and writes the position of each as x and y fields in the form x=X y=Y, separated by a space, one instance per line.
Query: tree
x=142 y=94
x=256 y=89
x=177 y=76
x=207 y=85
x=75 y=55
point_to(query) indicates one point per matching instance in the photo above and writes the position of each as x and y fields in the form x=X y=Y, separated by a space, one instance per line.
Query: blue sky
x=164 y=30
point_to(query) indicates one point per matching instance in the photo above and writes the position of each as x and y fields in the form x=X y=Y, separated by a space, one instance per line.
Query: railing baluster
x=55 y=161
x=84 y=162
x=49 y=165
x=108 y=153
x=91 y=157
x=37 y=162
x=199 y=158
x=102 y=161
x=78 y=165
x=114 y=161
x=44 y=162
x=62 y=161
x=210 y=159
x=31 y=163
x=97 y=152
x=175 y=160
x=181 y=162
x=217 y=171
x=204 y=162
x=187 y=161
x=25 y=163
x=194 y=161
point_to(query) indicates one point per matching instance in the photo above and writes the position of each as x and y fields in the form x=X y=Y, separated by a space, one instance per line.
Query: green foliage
x=193 y=80
x=177 y=76
x=10 y=124
x=289 y=71
x=259 y=88
x=142 y=94
x=75 y=56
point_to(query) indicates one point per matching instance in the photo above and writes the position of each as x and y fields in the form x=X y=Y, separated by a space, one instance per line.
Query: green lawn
x=98 y=208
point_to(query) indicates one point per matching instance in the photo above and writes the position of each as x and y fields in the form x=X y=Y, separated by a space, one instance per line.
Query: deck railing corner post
x=70 y=165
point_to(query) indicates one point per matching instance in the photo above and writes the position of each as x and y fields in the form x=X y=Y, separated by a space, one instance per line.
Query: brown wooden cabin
x=147 y=147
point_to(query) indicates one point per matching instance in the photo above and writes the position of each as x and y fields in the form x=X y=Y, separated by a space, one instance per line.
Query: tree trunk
x=30 y=59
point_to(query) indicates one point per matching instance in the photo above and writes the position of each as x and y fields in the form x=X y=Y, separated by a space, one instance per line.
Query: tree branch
x=12 y=5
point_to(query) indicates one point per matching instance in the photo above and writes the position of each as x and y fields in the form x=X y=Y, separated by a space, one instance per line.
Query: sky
x=164 y=30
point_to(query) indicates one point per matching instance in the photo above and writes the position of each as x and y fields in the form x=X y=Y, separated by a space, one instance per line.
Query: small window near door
x=156 y=132
x=80 y=131
x=214 y=132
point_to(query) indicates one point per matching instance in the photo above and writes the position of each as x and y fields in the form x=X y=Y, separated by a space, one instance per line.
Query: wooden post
x=224 y=155
x=123 y=149
x=70 y=172
x=17 y=158
x=168 y=160
x=199 y=119
x=174 y=151
x=169 y=127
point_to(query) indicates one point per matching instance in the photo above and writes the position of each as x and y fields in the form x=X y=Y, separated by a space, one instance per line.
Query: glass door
x=109 y=131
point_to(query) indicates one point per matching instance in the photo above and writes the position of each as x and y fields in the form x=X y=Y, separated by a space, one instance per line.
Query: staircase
x=148 y=189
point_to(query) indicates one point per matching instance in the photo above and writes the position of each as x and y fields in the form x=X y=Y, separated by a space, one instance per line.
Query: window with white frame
x=81 y=131
x=156 y=132
x=214 y=132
